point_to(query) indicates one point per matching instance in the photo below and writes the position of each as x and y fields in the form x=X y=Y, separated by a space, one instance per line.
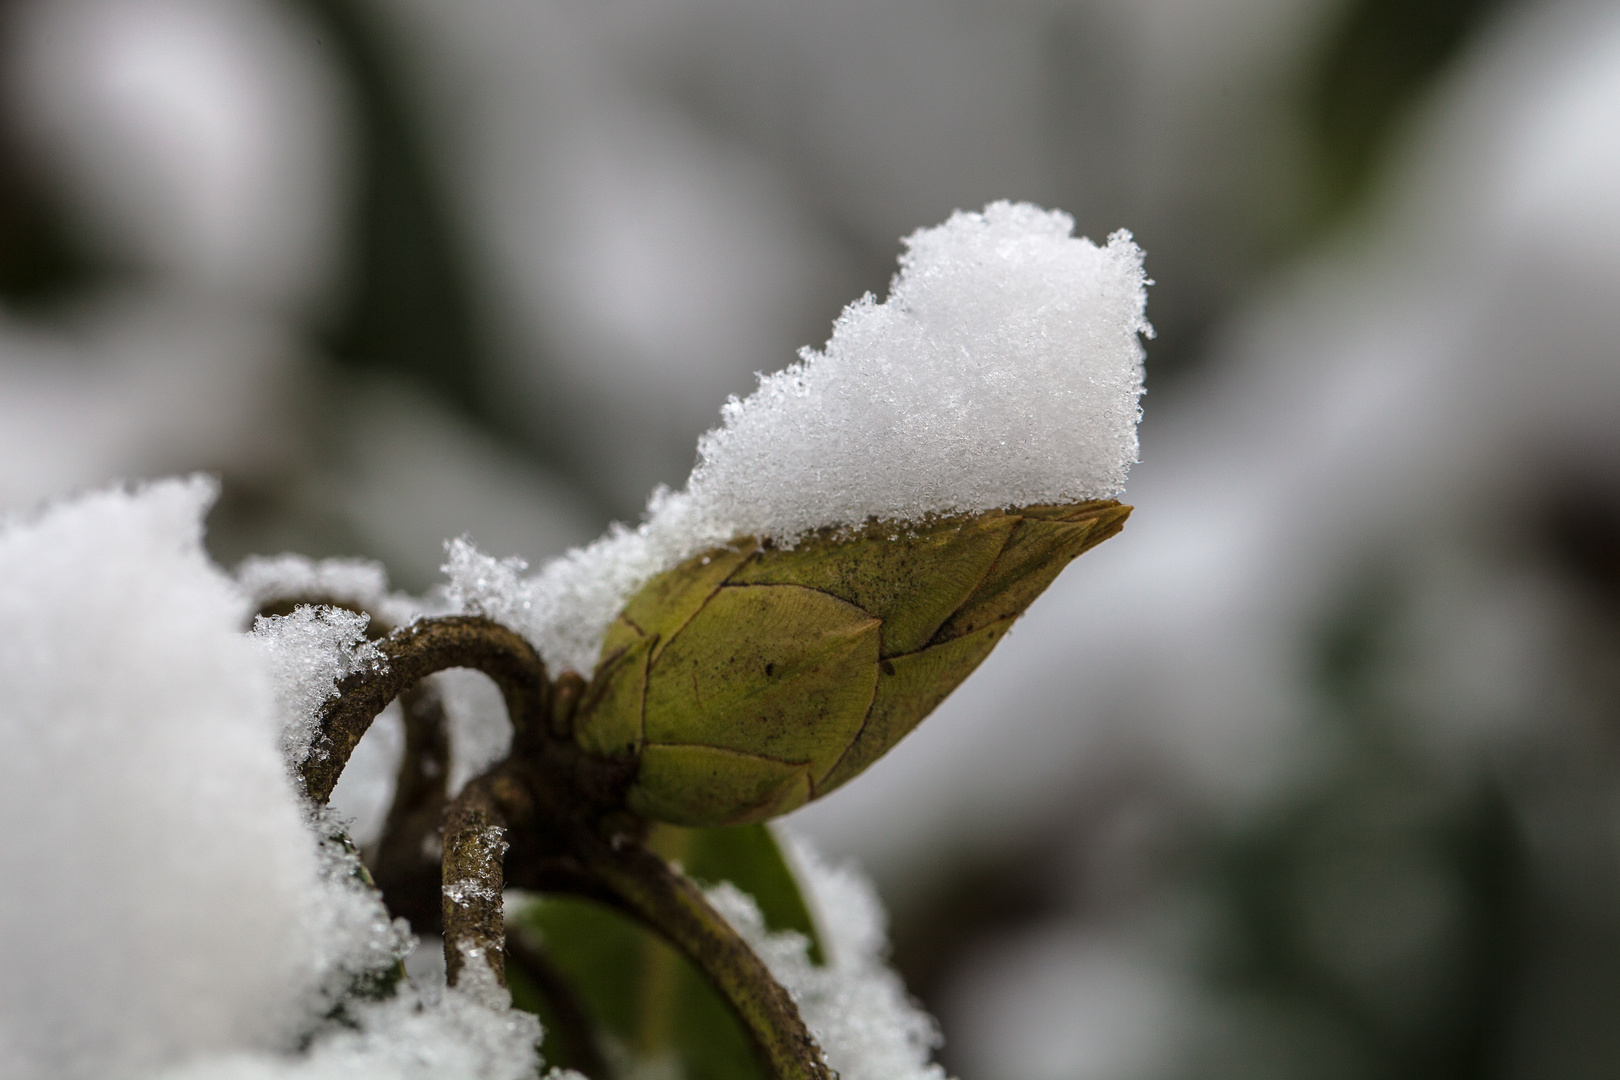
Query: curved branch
x=560 y=840
x=410 y=654
x=556 y=849
x=645 y=886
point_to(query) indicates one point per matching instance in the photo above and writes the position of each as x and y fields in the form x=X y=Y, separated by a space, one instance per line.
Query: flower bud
x=751 y=679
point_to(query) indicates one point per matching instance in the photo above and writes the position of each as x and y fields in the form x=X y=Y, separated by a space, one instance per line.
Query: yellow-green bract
x=752 y=678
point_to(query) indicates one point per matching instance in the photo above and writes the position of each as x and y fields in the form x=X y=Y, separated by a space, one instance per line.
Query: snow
x=1004 y=369
x=307 y=652
x=366 y=789
x=177 y=908
x=404 y=1038
x=355 y=940
x=358 y=583
x=855 y=1006
x=155 y=865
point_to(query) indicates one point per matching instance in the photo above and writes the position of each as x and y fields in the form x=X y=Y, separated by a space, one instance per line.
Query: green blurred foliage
x=1373 y=66
x=409 y=307
x=40 y=259
x=1369 y=924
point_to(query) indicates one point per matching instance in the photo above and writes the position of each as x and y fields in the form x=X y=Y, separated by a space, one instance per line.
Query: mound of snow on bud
x=1003 y=370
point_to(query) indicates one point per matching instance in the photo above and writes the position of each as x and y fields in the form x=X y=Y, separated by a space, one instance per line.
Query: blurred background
x=1313 y=773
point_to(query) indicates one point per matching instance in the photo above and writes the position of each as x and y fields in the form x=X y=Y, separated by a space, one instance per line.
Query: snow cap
x=1003 y=370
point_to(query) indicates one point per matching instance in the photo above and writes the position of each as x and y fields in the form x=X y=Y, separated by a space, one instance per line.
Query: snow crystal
x=155 y=864
x=315 y=646
x=365 y=791
x=1004 y=369
x=855 y=1005
x=307 y=652
x=357 y=583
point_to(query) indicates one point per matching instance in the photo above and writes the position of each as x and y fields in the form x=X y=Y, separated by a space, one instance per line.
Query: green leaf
x=670 y=600
x=909 y=688
x=699 y=785
x=1046 y=540
x=752 y=679
x=911 y=580
x=776 y=671
x=613 y=703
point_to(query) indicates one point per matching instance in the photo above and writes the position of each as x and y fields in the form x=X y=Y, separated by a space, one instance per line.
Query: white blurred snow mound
x=155 y=864
x=167 y=900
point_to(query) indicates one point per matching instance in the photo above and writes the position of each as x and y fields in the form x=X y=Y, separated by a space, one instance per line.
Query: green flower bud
x=752 y=679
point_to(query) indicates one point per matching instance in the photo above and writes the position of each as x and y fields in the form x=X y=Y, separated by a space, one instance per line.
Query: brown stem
x=569 y=1020
x=410 y=654
x=474 y=848
x=562 y=842
x=647 y=887
x=554 y=849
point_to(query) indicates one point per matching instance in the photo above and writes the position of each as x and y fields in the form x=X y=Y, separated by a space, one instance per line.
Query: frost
x=307 y=653
x=1003 y=369
x=464 y=891
x=855 y=1006
x=314 y=647
x=492 y=846
x=487 y=585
